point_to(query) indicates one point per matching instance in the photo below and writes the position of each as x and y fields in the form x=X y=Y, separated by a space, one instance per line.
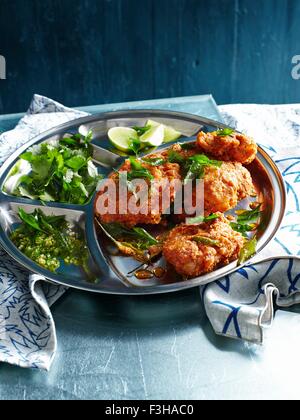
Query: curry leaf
x=249 y=216
x=248 y=250
x=202 y=219
x=205 y=240
x=138 y=237
x=29 y=219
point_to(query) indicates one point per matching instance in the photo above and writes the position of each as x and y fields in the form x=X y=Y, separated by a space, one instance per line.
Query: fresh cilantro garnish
x=135 y=146
x=61 y=171
x=225 y=132
x=196 y=165
x=138 y=171
x=175 y=157
x=192 y=167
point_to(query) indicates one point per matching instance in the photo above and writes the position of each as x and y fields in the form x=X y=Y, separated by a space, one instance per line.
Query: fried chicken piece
x=225 y=186
x=147 y=214
x=197 y=249
x=235 y=147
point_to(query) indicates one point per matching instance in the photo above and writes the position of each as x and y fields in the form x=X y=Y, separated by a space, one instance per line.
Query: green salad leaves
x=61 y=171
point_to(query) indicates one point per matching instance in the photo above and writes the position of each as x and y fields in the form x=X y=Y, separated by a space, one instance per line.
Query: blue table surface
x=155 y=347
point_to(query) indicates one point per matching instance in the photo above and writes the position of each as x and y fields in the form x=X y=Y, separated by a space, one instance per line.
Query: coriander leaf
x=205 y=240
x=201 y=219
x=196 y=164
x=61 y=171
x=248 y=250
x=195 y=170
x=76 y=162
x=138 y=171
x=68 y=141
x=225 y=132
x=204 y=160
x=135 y=163
x=175 y=157
x=134 y=145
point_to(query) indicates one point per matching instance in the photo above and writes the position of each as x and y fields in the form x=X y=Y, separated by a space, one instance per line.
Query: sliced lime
x=154 y=136
x=170 y=134
x=121 y=137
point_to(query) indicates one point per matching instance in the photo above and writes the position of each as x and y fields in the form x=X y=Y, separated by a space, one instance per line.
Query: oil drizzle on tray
x=144 y=274
x=147 y=273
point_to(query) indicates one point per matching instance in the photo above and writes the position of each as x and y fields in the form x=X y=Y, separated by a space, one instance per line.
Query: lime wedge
x=170 y=134
x=154 y=136
x=121 y=137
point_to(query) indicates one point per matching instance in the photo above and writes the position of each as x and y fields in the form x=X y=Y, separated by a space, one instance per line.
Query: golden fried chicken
x=197 y=249
x=148 y=214
x=233 y=147
x=225 y=186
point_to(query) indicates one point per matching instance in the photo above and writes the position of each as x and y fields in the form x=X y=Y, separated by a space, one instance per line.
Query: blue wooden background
x=98 y=51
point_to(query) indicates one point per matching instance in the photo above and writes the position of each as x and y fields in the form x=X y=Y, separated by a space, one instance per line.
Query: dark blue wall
x=95 y=51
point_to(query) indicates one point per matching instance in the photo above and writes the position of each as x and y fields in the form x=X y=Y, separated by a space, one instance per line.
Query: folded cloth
x=241 y=305
x=27 y=330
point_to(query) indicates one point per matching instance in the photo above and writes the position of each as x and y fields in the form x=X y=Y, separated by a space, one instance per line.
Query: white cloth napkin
x=242 y=304
x=27 y=330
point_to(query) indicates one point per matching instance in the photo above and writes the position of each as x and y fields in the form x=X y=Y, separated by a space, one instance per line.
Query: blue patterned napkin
x=27 y=330
x=241 y=305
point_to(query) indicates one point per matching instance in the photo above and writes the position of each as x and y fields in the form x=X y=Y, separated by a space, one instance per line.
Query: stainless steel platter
x=111 y=269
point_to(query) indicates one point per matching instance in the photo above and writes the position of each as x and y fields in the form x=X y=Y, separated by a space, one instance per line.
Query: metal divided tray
x=111 y=269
